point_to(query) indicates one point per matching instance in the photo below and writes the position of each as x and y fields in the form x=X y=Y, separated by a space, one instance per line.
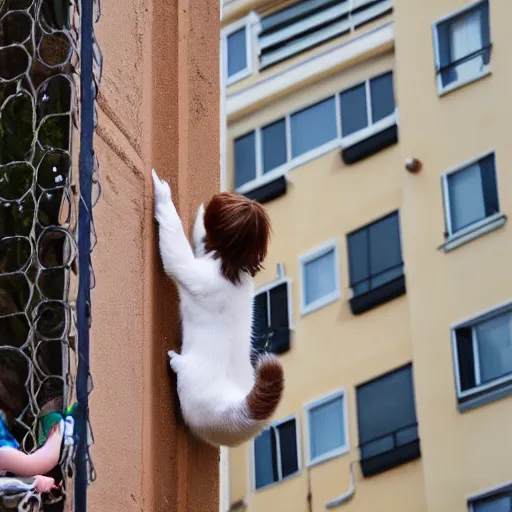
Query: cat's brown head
x=237 y=232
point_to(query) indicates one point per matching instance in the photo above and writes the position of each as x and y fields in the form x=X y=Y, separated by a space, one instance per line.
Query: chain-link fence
x=39 y=198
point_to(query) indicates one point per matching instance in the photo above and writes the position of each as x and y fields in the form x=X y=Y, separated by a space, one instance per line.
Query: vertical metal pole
x=84 y=247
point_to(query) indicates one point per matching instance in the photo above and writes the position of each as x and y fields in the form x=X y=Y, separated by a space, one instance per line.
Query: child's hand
x=44 y=484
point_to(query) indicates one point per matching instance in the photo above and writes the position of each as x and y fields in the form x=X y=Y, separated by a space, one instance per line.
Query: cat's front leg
x=199 y=233
x=174 y=360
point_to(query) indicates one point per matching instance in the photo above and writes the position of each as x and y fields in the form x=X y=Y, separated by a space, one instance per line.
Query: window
x=388 y=428
x=237 y=49
x=483 y=355
x=274 y=145
x=365 y=112
x=276 y=453
x=308 y=23
x=366 y=105
x=375 y=263
x=327 y=427
x=497 y=500
x=245 y=159
x=272 y=319
x=322 y=117
x=320 y=277
x=471 y=196
x=463 y=46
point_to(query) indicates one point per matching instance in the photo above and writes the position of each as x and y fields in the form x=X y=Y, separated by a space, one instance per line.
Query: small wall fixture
x=413 y=165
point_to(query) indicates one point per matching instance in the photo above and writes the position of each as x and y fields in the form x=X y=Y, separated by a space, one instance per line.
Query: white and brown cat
x=224 y=401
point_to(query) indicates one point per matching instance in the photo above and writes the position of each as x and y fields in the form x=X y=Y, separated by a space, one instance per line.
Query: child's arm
x=38 y=463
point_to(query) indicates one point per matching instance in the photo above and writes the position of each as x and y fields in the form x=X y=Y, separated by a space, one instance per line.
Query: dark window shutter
x=386 y=405
x=486 y=31
x=358 y=256
x=449 y=74
x=288 y=443
x=489 y=185
x=385 y=247
x=465 y=358
x=279 y=307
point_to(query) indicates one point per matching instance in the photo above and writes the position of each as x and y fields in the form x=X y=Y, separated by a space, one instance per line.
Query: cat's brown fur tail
x=268 y=388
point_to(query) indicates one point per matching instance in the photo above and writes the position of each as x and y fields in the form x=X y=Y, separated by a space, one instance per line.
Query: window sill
x=485 y=397
x=390 y=459
x=238 y=77
x=378 y=296
x=334 y=454
x=443 y=91
x=320 y=303
x=273 y=484
x=475 y=231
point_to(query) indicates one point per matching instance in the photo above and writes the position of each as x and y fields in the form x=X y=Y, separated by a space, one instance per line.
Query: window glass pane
x=466 y=38
x=466 y=197
x=274 y=145
x=359 y=261
x=386 y=405
x=465 y=357
x=501 y=504
x=495 y=347
x=385 y=250
x=319 y=277
x=326 y=427
x=279 y=306
x=265 y=461
x=383 y=100
x=313 y=127
x=288 y=445
x=245 y=159
x=489 y=185
x=354 y=113
x=237 y=52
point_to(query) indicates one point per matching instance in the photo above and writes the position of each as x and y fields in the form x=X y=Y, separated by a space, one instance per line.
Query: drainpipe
x=347 y=495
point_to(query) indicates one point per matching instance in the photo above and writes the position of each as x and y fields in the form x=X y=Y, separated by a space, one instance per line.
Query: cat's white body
x=214 y=370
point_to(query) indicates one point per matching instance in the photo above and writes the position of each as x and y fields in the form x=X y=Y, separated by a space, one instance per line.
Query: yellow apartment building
x=376 y=133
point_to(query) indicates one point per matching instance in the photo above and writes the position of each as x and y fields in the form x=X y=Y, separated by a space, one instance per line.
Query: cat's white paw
x=173 y=359
x=162 y=188
x=199 y=230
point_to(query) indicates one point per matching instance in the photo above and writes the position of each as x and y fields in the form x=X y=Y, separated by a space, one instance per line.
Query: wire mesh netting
x=39 y=196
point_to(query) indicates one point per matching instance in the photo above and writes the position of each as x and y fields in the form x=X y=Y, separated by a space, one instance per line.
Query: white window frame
x=337 y=143
x=246 y=23
x=458 y=83
x=317 y=252
x=280 y=479
x=488 y=494
x=337 y=452
x=471 y=322
x=266 y=288
x=479 y=227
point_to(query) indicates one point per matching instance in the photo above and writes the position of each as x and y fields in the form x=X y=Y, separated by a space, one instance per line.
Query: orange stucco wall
x=158 y=107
